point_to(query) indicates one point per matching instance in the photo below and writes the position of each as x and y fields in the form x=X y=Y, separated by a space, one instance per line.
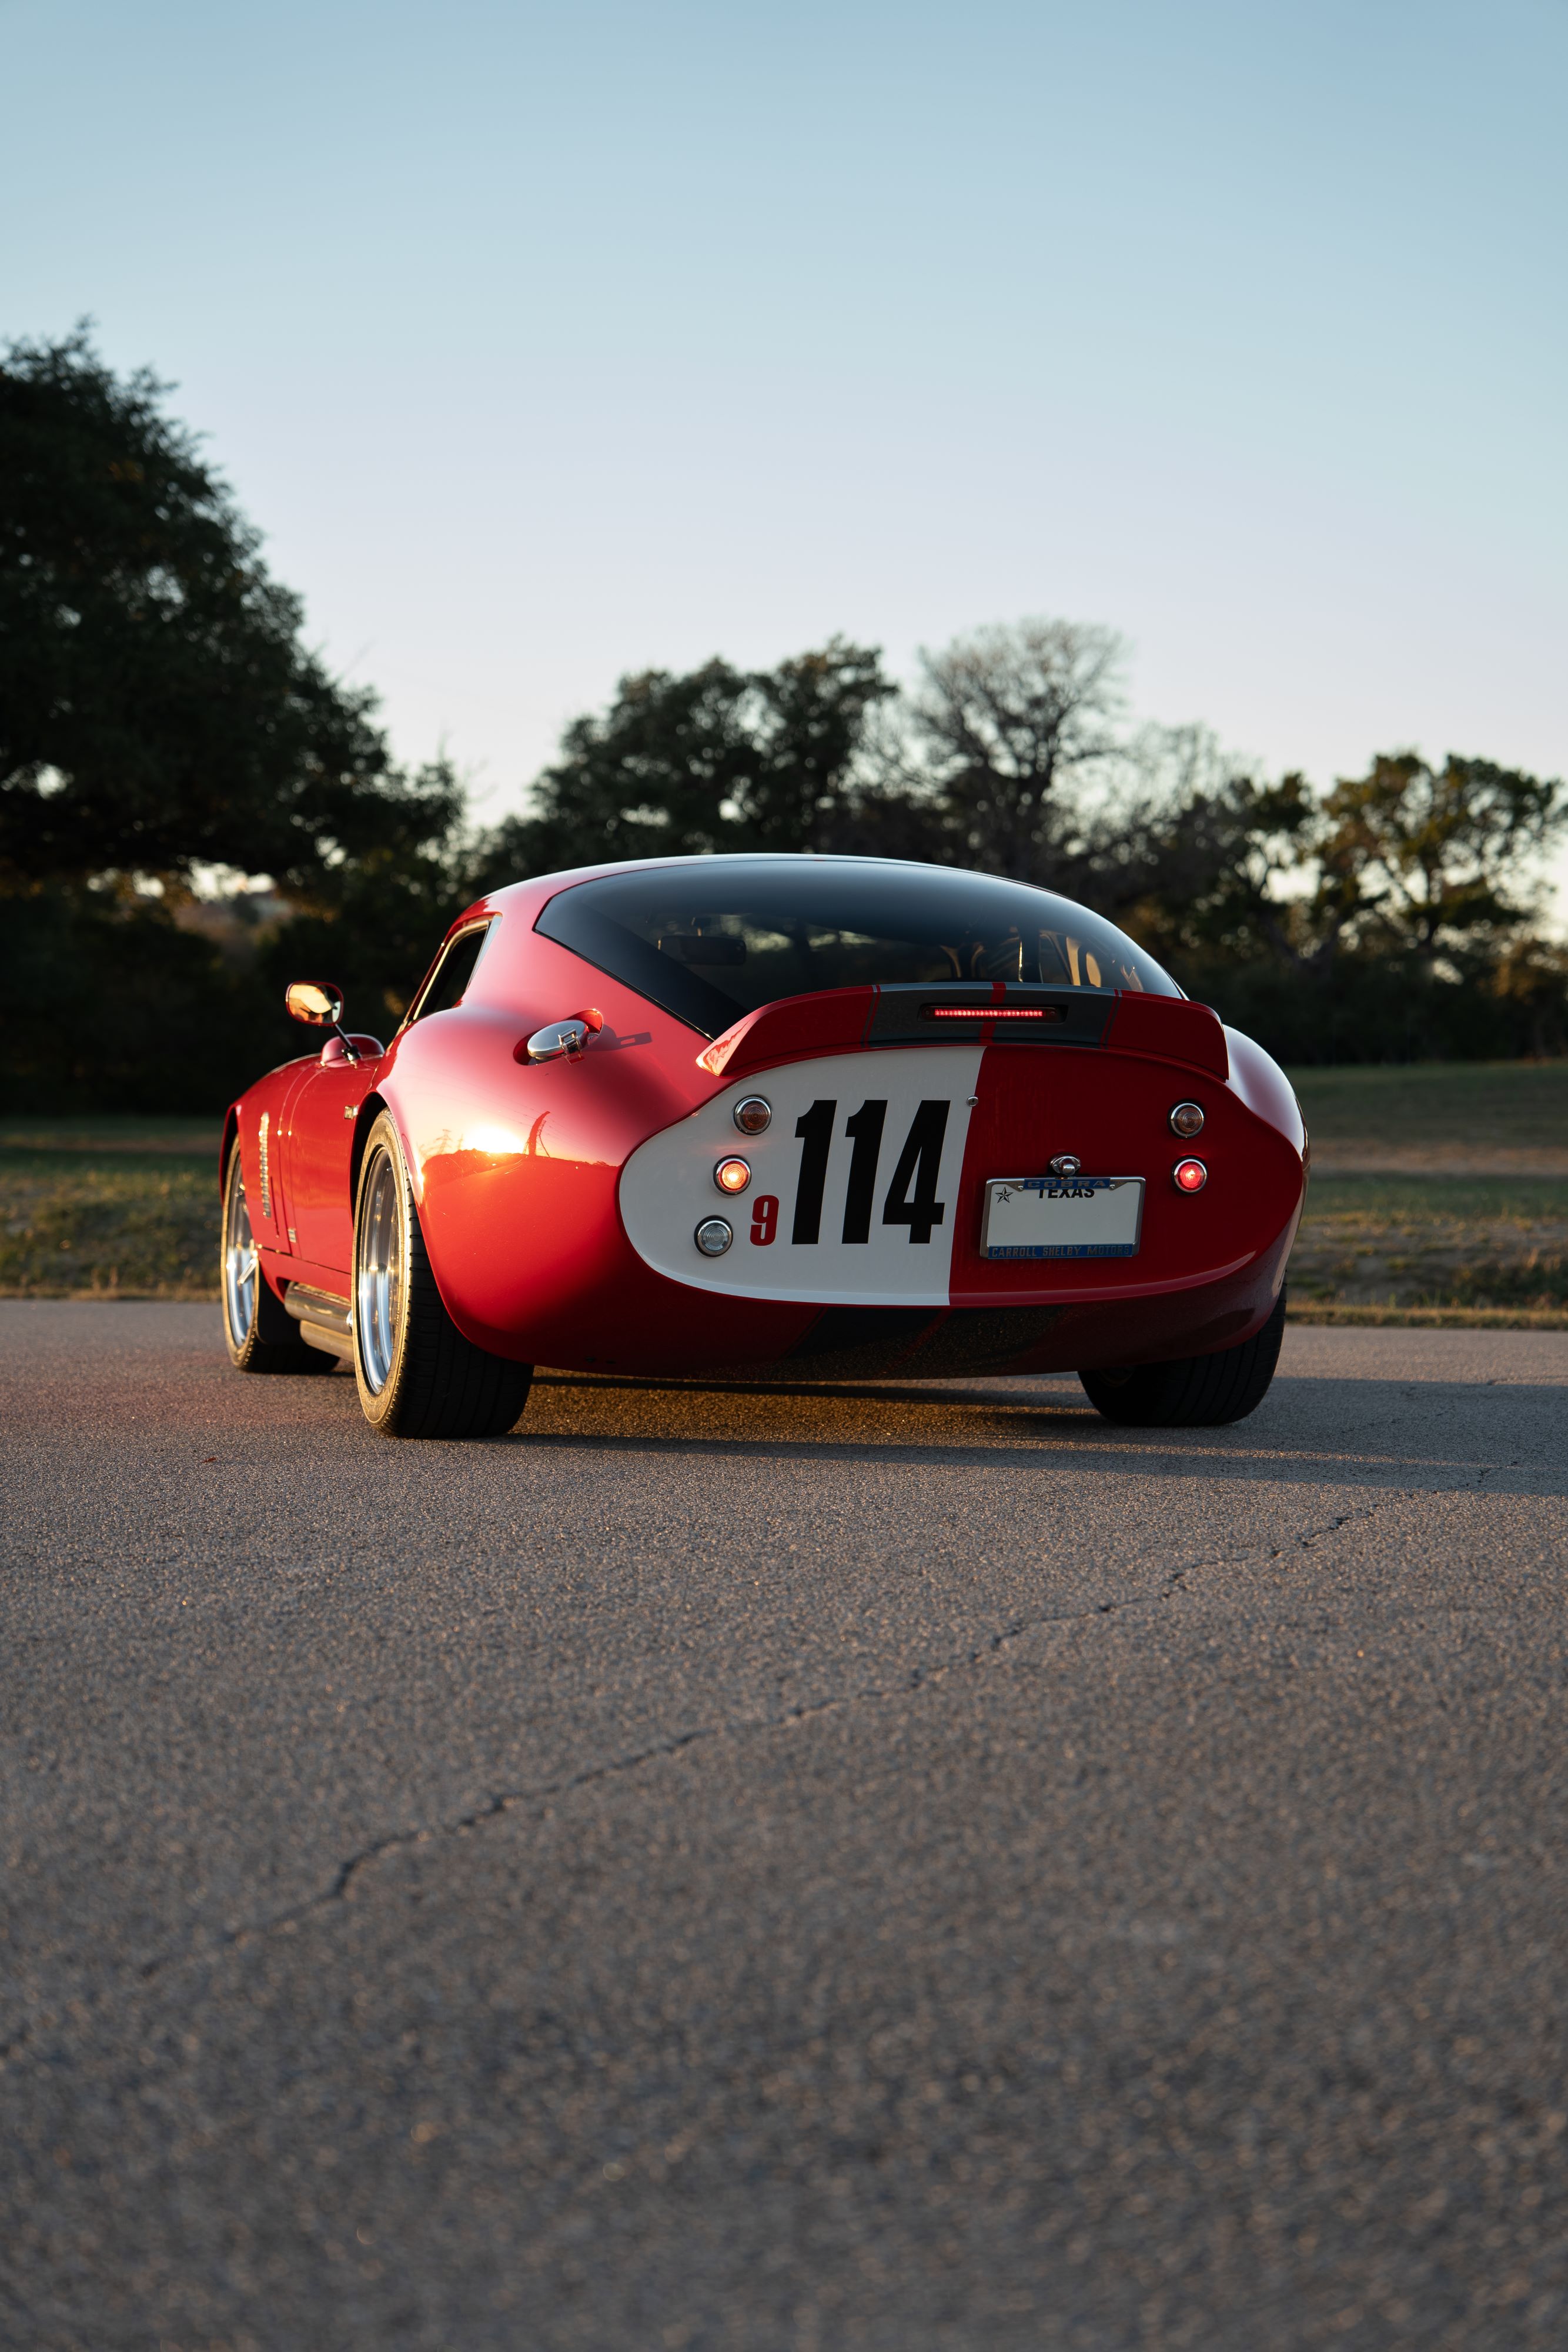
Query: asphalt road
x=782 y=1872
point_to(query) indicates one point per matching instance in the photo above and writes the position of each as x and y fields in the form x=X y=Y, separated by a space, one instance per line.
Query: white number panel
x=854 y=1197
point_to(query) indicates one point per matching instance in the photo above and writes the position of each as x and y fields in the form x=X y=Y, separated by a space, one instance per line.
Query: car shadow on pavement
x=1360 y=1433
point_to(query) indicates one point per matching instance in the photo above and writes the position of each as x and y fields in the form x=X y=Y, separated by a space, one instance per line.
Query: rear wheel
x=262 y=1336
x=1194 y=1391
x=418 y=1376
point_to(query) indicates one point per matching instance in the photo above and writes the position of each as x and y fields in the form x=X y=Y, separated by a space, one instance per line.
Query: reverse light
x=732 y=1175
x=1189 y=1175
x=713 y=1236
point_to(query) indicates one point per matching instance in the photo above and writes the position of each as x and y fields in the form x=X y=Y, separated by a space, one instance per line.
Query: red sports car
x=754 y=1116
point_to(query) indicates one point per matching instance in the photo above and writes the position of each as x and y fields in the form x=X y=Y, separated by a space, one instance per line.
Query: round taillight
x=1186 y=1120
x=1189 y=1175
x=752 y=1114
x=732 y=1175
x=713 y=1236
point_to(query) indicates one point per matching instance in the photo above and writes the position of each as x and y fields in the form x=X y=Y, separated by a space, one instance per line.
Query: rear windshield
x=718 y=938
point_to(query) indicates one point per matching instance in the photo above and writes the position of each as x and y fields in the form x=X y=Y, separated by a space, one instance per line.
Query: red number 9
x=764 y=1218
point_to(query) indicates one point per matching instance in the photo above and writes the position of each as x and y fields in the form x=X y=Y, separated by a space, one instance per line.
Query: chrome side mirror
x=315 y=1002
x=558 y=1039
x=320 y=1007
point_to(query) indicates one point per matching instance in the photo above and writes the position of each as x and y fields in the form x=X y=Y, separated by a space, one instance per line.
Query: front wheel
x=1194 y=1391
x=262 y=1336
x=418 y=1376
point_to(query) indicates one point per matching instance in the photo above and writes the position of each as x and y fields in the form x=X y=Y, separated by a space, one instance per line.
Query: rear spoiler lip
x=867 y=1018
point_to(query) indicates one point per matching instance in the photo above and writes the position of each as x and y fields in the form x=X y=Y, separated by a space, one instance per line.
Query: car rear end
x=1116 y=1198
x=1012 y=1143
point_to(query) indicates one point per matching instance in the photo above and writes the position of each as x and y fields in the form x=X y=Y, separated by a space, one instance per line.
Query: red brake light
x=1189 y=1175
x=989 y=1013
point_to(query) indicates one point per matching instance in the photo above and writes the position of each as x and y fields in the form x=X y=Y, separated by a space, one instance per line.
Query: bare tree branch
x=1002 y=715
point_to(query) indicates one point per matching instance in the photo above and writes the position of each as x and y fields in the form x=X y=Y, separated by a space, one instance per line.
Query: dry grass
x=115 y=1133
x=1476 y=1118
x=1380 y=1248
x=95 y=1224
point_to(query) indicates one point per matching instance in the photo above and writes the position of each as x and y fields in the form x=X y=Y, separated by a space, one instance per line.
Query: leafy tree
x=157 y=708
x=1530 y=985
x=1434 y=861
x=1198 y=857
x=812 y=715
x=715 y=759
x=651 y=778
x=105 y=1004
x=1390 y=921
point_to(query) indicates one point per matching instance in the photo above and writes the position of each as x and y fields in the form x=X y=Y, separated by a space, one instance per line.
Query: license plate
x=1063 y=1217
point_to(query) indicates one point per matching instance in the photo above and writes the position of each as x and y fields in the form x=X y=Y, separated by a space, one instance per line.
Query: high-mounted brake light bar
x=991 y=1013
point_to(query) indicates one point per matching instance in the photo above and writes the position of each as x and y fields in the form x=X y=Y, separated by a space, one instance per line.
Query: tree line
x=166 y=736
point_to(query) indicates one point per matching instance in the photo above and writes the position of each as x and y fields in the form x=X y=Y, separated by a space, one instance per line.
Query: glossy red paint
x=516 y=1166
x=320 y=1163
x=1112 y=1110
x=1174 y=1028
x=833 y=1023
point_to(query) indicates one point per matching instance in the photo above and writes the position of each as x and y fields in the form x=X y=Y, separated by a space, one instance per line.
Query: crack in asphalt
x=1172 y=1585
x=918 y=1678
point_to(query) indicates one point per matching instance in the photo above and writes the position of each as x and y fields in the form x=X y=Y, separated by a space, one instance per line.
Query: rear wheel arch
x=375 y=1106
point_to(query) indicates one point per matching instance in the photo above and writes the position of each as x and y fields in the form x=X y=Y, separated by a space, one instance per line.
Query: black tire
x=1194 y=1391
x=418 y=1376
x=258 y=1330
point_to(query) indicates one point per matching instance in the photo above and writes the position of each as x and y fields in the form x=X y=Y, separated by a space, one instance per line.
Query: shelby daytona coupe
x=769 y=1117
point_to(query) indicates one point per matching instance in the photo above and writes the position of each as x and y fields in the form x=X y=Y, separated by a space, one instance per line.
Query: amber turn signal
x=1189 y=1175
x=1186 y=1120
x=732 y=1175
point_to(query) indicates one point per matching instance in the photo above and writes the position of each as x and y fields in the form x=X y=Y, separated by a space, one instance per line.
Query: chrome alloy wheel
x=241 y=1274
x=379 y=1271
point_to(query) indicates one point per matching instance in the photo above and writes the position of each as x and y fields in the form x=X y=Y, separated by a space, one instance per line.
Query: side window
x=448 y=982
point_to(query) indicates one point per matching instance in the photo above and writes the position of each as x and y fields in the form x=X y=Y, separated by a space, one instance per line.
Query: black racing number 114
x=911 y=1198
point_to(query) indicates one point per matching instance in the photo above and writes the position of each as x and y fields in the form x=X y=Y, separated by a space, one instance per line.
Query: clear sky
x=546 y=341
